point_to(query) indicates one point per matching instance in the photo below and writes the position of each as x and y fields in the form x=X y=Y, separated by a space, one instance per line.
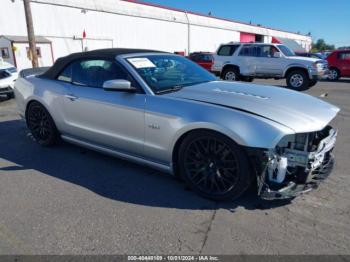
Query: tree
x=321 y=45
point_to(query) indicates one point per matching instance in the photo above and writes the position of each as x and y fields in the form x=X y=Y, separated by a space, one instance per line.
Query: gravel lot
x=68 y=200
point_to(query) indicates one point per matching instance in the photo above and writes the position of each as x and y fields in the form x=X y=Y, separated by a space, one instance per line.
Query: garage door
x=247 y=38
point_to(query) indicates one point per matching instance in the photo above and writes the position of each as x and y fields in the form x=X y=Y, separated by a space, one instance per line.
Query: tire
x=298 y=80
x=334 y=74
x=41 y=125
x=214 y=166
x=247 y=79
x=231 y=74
x=312 y=83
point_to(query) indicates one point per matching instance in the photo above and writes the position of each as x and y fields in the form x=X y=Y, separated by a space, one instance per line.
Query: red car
x=339 y=64
x=204 y=59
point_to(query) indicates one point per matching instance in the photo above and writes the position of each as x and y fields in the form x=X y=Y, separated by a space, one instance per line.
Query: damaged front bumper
x=290 y=172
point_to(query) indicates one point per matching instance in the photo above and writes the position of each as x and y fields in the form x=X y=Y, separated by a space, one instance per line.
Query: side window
x=93 y=73
x=266 y=51
x=66 y=75
x=344 y=56
x=195 y=58
x=227 y=50
x=207 y=58
x=248 y=50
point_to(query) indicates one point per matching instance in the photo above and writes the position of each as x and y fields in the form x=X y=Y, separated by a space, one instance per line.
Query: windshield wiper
x=169 y=90
x=179 y=87
x=196 y=83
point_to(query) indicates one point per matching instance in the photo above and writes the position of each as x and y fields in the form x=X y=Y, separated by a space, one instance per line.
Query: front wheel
x=41 y=124
x=214 y=166
x=298 y=80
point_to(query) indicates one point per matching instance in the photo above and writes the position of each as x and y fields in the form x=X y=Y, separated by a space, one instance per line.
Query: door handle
x=71 y=97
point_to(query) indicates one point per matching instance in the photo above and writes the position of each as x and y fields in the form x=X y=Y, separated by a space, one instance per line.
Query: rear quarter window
x=227 y=50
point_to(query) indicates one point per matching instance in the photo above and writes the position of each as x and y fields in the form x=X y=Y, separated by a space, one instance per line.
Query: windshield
x=285 y=50
x=4 y=74
x=12 y=69
x=167 y=73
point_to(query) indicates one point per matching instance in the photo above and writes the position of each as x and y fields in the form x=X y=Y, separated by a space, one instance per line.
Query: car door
x=267 y=64
x=112 y=119
x=344 y=63
x=247 y=60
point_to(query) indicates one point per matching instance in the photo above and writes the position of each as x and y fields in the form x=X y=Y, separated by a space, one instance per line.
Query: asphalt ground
x=69 y=200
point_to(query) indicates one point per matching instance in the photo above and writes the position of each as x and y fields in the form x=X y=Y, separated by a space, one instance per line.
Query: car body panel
x=255 y=66
x=343 y=65
x=300 y=112
x=204 y=59
x=7 y=82
x=145 y=127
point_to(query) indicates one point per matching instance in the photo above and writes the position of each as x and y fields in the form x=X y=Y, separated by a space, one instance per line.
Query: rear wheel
x=334 y=74
x=214 y=166
x=231 y=74
x=41 y=124
x=298 y=80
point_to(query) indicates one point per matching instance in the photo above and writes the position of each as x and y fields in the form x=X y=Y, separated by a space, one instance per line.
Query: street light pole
x=31 y=35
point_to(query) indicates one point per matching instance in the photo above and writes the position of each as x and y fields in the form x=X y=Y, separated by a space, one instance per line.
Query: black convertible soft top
x=110 y=53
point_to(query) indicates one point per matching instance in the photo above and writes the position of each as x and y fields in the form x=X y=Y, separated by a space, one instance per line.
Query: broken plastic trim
x=320 y=167
x=293 y=189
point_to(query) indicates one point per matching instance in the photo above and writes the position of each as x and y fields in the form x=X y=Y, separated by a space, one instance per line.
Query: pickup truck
x=246 y=61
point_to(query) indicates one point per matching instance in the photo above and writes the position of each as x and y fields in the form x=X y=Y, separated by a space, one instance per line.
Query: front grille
x=6 y=89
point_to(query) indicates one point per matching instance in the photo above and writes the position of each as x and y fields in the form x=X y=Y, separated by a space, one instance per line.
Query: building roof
x=138 y=8
x=109 y=53
x=24 y=39
x=141 y=2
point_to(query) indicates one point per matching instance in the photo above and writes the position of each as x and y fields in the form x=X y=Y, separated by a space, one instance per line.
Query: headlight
x=318 y=66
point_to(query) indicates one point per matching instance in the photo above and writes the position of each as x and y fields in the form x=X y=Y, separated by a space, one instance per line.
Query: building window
x=5 y=53
x=38 y=52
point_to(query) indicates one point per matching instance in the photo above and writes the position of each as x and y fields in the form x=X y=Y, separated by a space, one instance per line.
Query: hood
x=298 y=111
x=303 y=58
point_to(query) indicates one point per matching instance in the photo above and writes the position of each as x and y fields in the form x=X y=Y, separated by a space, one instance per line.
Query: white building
x=123 y=23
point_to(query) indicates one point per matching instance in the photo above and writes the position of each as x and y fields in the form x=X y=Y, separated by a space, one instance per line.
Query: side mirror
x=118 y=85
x=277 y=55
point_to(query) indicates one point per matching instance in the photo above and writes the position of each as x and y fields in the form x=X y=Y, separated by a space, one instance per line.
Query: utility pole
x=31 y=35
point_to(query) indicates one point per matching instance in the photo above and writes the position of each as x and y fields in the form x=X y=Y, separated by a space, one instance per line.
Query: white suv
x=8 y=76
x=246 y=61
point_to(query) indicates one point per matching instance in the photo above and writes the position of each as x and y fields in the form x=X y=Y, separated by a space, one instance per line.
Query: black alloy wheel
x=41 y=124
x=214 y=166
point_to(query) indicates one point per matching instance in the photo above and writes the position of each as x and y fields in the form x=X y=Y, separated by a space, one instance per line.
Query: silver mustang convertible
x=165 y=111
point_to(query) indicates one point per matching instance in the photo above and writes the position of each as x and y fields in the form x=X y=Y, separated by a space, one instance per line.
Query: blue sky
x=325 y=19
